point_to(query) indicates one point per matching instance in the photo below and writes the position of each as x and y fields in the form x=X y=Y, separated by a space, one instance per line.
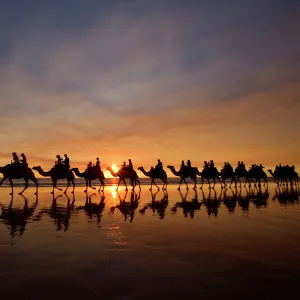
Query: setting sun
x=115 y=168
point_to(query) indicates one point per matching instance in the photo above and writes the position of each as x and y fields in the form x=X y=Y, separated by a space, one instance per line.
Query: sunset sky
x=168 y=79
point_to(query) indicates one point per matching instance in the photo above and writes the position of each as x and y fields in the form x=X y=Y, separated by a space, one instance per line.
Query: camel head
x=108 y=168
x=74 y=169
x=170 y=167
x=37 y=168
x=140 y=168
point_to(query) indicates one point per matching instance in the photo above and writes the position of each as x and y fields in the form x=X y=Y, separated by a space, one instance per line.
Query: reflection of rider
x=24 y=160
x=67 y=162
x=130 y=166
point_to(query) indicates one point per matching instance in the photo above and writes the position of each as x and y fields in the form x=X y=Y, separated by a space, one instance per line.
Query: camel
x=186 y=172
x=210 y=173
x=156 y=173
x=17 y=171
x=239 y=173
x=90 y=174
x=227 y=173
x=56 y=174
x=124 y=173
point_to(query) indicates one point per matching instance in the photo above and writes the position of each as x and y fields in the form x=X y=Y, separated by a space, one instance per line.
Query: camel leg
x=187 y=187
x=3 y=179
x=86 y=185
x=90 y=185
x=53 y=184
x=156 y=184
x=73 y=182
x=67 y=186
x=151 y=184
x=125 y=184
x=202 y=179
x=12 y=186
x=26 y=186
x=195 y=182
x=214 y=182
x=137 y=181
x=208 y=183
x=180 y=183
x=101 y=185
x=119 y=183
x=36 y=184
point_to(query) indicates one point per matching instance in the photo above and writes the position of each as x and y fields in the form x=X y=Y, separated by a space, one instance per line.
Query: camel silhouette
x=90 y=174
x=56 y=174
x=125 y=173
x=284 y=175
x=227 y=173
x=210 y=173
x=17 y=171
x=156 y=174
x=186 y=172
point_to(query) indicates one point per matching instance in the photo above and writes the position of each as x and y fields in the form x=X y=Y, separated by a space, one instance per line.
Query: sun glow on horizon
x=114 y=168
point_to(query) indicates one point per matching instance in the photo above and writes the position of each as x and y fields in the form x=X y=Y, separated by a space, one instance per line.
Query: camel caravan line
x=19 y=169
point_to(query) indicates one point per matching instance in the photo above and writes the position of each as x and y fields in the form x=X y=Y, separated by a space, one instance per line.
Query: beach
x=239 y=243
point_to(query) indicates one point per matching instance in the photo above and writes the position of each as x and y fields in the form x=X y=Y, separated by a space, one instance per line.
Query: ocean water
x=235 y=244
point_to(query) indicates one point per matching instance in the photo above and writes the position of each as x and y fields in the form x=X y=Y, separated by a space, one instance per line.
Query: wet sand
x=242 y=245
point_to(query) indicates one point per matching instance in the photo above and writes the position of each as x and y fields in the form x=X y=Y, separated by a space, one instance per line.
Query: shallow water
x=240 y=244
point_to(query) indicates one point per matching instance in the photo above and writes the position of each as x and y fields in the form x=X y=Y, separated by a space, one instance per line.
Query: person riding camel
x=58 y=161
x=24 y=160
x=212 y=164
x=205 y=166
x=159 y=165
x=243 y=166
x=124 y=164
x=15 y=158
x=130 y=166
x=90 y=164
x=98 y=163
x=189 y=164
x=182 y=165
x=67 y=162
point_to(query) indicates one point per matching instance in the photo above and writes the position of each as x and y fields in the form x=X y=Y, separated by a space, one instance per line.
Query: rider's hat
x=14 y=153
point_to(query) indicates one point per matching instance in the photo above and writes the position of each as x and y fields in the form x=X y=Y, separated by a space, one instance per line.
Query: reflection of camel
x=90 y=174
x=16 y=218
x=257 y=196
x=156 y=174
x=93 y=209
x=123 y=174
x=157 y=206
x=186 y=172
x=128 y=208
x=229 y=200
x=59 y=214
x=287 y=195
x=188 y=207
x=56 y=174
x=243 y=201
x=17 y=171
x=212 y=204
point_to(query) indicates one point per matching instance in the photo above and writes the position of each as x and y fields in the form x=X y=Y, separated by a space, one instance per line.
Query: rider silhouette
x=212 y=164
x=124 y=164
x=205 y=166
x=67 y=162
x=130 y=166
x=97 y=162
x=159 y=165
x=189 y=164
x=59 y=161
x=24 y=160
x=15 y=158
